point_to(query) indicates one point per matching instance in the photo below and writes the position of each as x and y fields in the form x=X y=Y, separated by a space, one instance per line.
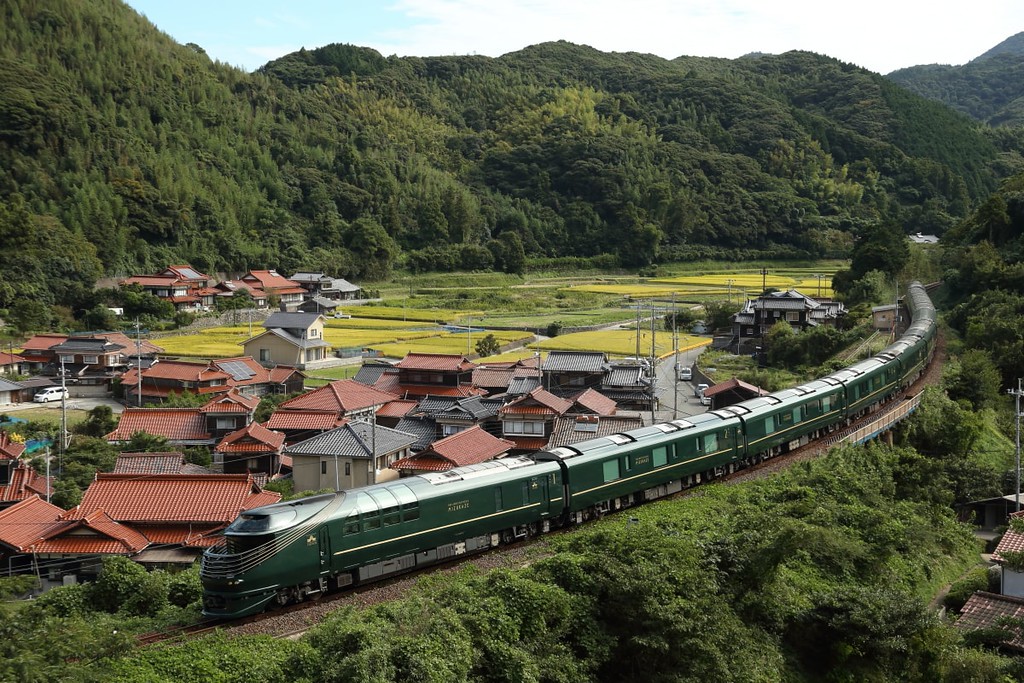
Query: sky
x=880 y=35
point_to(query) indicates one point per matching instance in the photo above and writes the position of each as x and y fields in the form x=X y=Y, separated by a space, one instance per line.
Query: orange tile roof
x=253 y=438
x=149 y=463
x=185 y=534
x=281 y=373
x=493 y=378
x=595 y=402
x=26 y=522
x=10 y=358
x=24 y=483
x=1010 y=542
x=182 y=371
x=343 y=396
x=94 y=533
x=318 y=420
x=271 y=280
x=231 y=402
x=987 y=610
x=529 y=443
x=468 y=447
x=10 y=449
x=174 y=424
x=539 y=398
x=169 y=498
x=396 y=408
x=423 y=390
x=43 y=342
x=436 y=361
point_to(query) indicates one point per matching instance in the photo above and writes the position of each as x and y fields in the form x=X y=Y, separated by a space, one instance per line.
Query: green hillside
x=989 y=88
x=122 y=151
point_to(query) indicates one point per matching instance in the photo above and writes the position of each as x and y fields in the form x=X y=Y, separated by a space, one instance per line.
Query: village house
x=157 y=520
x=183 y=286
x=226 y=289
x=630 y=384
x=567 y=373
x=13 y=364
x=253 y=448
x=528 y=420
x=18 y=480
x=326 y=287
x=467 y=447
x=166 y=377
x=800 y=311
x=290 y=294
x=295 y=339
x=573 y=428
x=429 y=374
x=352 y=455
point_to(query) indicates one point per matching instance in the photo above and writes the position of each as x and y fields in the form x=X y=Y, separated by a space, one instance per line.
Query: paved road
x=72 y=404
x=676 y=398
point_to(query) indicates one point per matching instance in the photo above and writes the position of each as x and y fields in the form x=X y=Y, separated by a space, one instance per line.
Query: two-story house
x=289 y=294
x=295 y=339
x=325 y=286
x=166 y=377
x=183 y=286
x=798 y=310
x=529 y=420
x=354 y=454
x=567 y=373
x=431 y=374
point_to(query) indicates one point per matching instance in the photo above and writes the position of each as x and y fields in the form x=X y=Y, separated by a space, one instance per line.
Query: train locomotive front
x=276 y=553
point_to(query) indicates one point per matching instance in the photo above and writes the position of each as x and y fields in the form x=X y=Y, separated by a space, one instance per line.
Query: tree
x=973 y=377
x=488 y=346
x=718 y=314
x=98 y=422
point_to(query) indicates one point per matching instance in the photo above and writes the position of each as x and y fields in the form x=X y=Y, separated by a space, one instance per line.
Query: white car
x=699 y=390
x=50 y=394
x=685 y=373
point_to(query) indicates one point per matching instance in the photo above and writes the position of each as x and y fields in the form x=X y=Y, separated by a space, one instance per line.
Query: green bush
x=16 y=586
x=65 y=601
x=976 y=580
x=184 y=588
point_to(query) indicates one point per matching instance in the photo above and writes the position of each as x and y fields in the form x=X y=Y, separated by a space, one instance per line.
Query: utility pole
x=675 y=369
x=138 y=363
x=1017 y=393
x=654 y=374
x=63 y=417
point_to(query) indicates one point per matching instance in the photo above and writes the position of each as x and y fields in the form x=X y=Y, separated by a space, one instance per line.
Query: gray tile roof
x=87 y=346
x=423 y=428
x=473 y=408
x=369 y=374
x=353 y=440
x=625 y=376
x=290 y=321
x=574 y=361
x=522 y=385
x=9 y=386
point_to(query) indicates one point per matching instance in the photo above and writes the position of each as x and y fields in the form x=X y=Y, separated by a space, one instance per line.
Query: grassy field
x=617 y=342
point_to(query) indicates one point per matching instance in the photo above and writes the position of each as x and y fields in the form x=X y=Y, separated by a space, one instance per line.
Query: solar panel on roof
x=238 y=370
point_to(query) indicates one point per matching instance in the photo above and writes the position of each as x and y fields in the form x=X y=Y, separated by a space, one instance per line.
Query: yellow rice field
x=616 y=342
x=411 y=314
x=447 y=343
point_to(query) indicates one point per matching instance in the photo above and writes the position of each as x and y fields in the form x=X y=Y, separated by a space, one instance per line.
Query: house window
x=448 y=430
x=348 y=469
x=225 y=423
x=524 y=428
x=91 y=360
x=793 y=316
x=264 y=355
x=323 y=467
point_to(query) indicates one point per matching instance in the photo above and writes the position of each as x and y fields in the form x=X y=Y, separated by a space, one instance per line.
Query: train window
x=411 y=511
x=660 y=456
x=710 y=443
x=391 y=516
x=796 y=414
x=826 y=403
x=497 y=499
x=769 y=425
x=611 y=470
x=352 y=524
x=371 y=520
x=403 y=493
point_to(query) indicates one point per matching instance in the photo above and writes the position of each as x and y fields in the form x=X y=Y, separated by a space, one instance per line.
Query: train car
x=620 y=470
x=287 y=552
x=779 y=422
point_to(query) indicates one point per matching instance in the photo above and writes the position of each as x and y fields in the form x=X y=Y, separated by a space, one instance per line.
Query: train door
x=324 y=545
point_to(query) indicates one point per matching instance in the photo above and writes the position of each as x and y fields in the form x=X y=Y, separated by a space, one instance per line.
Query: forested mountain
x=122 y=151
x=989 y=88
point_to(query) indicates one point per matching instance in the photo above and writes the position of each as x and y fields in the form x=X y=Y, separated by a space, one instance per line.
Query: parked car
x=685 y=373
x=50 y=394
x=699 y=390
